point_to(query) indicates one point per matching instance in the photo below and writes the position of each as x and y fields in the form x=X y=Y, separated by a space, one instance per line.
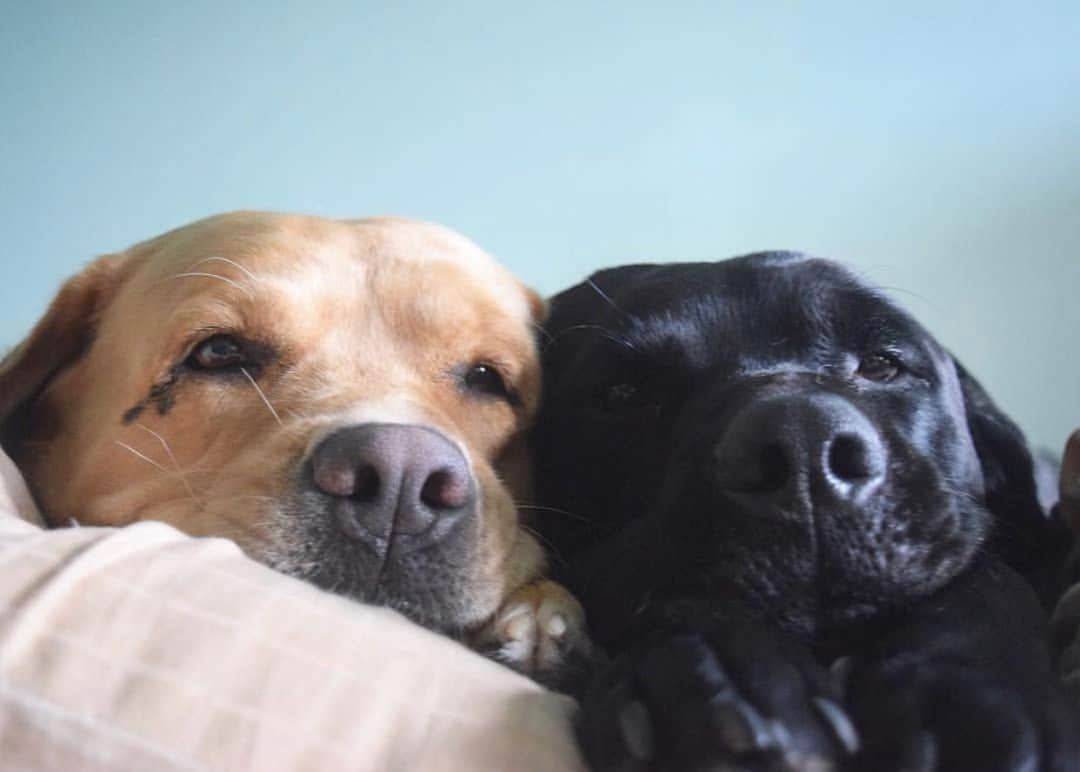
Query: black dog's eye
x=485 y=379
x=880 y=368
x=624 y=398
x=218 y=352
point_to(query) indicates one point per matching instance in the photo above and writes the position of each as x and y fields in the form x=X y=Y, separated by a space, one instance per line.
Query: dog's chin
x=814 y=575
x=426 y=588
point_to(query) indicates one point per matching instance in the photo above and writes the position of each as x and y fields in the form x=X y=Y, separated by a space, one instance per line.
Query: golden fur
x=368 y=320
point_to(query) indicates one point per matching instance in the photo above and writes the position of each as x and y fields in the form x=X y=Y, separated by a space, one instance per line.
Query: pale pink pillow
x=140 y=648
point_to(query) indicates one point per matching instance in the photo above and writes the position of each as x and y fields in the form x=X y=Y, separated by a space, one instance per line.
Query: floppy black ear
x=1024 y=536
x=1007 y=466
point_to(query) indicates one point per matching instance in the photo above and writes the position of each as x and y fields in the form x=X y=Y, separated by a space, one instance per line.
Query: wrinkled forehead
x=745 y=307
x=296 y=255
x=251 y=269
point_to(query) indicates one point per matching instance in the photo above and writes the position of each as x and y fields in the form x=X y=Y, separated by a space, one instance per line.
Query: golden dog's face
x=247 y=376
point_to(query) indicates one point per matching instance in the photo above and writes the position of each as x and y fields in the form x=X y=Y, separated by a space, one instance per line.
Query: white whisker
x=605 y=296
x=179 y=470
x=604 y=332
x=220 y=259
x=261 y=394
x=546 y=542
x=540 y=329
x=554 y=510
x=207 y=275
x=253 y=496
x=147 y=459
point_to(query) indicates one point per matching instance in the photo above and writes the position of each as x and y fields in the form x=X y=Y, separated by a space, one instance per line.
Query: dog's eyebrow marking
x=162 y=393
x=134 y=412
x=262 y=395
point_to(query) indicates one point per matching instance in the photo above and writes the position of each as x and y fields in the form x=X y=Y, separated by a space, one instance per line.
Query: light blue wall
x=936 y=146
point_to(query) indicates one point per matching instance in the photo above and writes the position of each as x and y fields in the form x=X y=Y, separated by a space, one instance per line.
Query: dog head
x=338 y=397
x=1069 y=482
x=768 y=432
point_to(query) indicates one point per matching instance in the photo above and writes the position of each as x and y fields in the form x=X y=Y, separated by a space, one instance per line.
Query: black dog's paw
x=950 y=717
x=741 y=702
x=1065 y=626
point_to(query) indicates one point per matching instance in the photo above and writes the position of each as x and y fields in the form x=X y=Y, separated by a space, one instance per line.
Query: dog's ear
x=1007 y=466
x=538 y=307
x=1025 y=536
x=1070 y=482
x=58 y=340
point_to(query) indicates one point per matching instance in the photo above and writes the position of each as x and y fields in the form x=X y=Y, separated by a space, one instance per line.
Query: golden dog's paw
x=539 y=631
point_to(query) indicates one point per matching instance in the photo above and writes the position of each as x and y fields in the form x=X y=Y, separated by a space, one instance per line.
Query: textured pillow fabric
x=141 y=648
x=14 y=497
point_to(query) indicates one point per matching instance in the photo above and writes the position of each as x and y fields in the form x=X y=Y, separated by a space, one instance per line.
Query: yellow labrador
x=344 y=399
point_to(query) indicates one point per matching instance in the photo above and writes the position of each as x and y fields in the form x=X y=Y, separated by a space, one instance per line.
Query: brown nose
x=393 y=480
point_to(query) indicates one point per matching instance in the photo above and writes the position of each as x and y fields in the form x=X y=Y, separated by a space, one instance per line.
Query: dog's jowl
x=344 y=399
x=772 y=470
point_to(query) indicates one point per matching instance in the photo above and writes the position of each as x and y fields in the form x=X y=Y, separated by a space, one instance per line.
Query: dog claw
x=635 y=726
x=556 y=626
x=518 y=625
x=919 y=753
x=840 y=670
x=782 y=739
x=743 y=728
x=841 y=725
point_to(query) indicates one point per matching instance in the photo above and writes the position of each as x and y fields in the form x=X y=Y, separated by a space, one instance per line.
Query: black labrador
x=806 y=534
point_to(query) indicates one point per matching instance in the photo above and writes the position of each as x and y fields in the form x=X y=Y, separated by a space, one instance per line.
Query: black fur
x=726 y=562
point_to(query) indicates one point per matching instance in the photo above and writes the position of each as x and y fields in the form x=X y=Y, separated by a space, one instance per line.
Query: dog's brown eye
x=623 y=398
x=218 y=352
x=485 y=379
x=881 y=368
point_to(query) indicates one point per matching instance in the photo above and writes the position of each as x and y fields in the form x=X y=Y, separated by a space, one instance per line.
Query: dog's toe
x=539 y=631
x=679 y=703
x=927 y=719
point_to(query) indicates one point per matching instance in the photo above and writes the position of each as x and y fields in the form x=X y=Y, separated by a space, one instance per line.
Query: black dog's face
x=766 y=432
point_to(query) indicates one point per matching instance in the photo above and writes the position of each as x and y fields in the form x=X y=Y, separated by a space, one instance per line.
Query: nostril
x=445 y=489
x=765 y=471
x=850 y=459
x=367 y=485
x=344 y=480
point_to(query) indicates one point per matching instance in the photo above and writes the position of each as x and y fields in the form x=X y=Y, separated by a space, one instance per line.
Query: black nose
x=818 y=446
x=385 y=480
